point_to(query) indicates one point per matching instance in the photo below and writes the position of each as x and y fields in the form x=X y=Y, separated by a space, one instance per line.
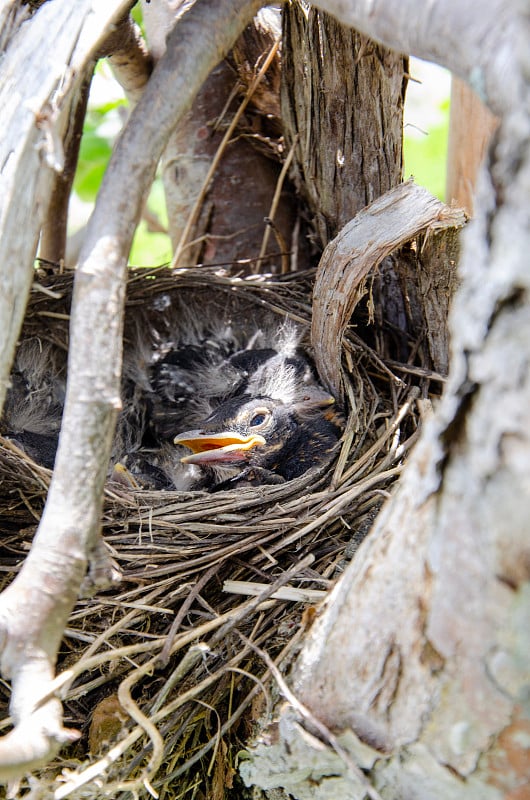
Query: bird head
x=281 y=438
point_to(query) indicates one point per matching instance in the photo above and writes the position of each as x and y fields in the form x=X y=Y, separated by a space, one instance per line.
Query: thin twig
x=274 y=204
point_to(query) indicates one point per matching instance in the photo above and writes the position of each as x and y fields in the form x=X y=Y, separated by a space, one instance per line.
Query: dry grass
x=163 y=675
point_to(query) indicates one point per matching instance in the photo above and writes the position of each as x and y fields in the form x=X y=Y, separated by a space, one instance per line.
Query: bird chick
x=34 y=401
x=266 y=436
x=243 y=396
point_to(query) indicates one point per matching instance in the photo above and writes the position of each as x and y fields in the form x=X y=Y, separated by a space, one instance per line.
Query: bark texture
x=54 y=230
x=46 y=71
x=227 y=209
x=419 y=661
x=386 y=225
x=342 y=102
x=129 y=59
x=67 y=536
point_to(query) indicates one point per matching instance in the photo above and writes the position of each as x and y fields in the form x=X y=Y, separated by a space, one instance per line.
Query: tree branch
x=476 y=45
x=34 y=608
x=430 y=681
x=54 y=231
x=388 y=223
x=45 y=71
x=129 y=58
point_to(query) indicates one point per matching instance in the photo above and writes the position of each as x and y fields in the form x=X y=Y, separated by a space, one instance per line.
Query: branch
x=421 y=651
x=398 y=216
x=132 y=66
x=34 y=608
x=45 y=71
x=481 y=44
x=128 y=56
x=54 y=231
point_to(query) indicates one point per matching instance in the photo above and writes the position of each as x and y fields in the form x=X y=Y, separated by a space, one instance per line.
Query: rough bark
x=342 y=102
x=419 y=662
x=342 y=105
x=228 y=224
x=46 y=72
x=433 y=276
x=401 y=215
x=479 y=47
x=443 y=712
x=34 y=608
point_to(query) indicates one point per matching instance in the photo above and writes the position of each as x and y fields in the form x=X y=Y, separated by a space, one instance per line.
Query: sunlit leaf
x=93 y=159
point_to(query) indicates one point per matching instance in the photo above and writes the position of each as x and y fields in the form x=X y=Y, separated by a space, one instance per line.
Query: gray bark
x=46 y=71
x=481 y=44
x=34 y=608
x=419 y=662
x=431 y=687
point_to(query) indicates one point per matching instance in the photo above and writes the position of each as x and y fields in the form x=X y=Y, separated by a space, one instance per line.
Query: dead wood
x=70 y=523
x=383 y=227
x=176 y=550
x=31 y=147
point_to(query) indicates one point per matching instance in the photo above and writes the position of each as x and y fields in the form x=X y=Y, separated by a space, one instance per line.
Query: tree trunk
x=68 y=534
x=342 y=102
x=413 y=681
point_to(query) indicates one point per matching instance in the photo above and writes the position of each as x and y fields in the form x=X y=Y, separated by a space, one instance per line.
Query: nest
x=167 y=674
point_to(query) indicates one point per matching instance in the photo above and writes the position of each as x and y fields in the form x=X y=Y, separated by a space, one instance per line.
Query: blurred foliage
x=94 y=153
x=425 y=153
x=107 y=112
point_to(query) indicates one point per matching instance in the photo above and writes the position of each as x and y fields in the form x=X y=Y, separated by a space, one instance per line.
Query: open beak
x=217 y=448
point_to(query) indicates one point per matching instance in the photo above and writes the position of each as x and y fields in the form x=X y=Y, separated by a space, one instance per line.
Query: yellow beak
x=217 y=447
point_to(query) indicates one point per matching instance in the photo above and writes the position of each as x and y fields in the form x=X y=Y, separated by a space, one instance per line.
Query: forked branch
x=33 y=611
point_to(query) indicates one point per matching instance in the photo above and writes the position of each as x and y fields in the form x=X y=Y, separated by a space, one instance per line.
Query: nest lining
x=165 y=674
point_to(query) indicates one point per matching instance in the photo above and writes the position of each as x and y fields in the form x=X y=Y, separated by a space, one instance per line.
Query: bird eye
x=259 y=418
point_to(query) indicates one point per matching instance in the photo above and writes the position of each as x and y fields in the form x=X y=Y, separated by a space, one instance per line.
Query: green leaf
x=93 y=159
x=425 y=155
x=149 y=249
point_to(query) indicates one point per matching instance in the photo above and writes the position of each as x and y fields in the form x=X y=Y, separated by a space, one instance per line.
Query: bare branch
x=480 y=44
x=128 y=56
x=34 y=608
x=375 y=232
x=45 y=71
x=54 y=231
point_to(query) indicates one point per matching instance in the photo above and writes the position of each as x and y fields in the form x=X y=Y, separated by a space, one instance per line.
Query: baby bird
x=279 y=427
x=244 y=400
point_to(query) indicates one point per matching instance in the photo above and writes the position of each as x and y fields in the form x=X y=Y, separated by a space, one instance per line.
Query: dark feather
x=184 y=370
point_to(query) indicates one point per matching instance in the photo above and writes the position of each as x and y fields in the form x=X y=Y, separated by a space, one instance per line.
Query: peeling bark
x=46 y=71
x=34 y=608
x=387 y=224
x=420 y=654
x=229 y=224
x=342 y=101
